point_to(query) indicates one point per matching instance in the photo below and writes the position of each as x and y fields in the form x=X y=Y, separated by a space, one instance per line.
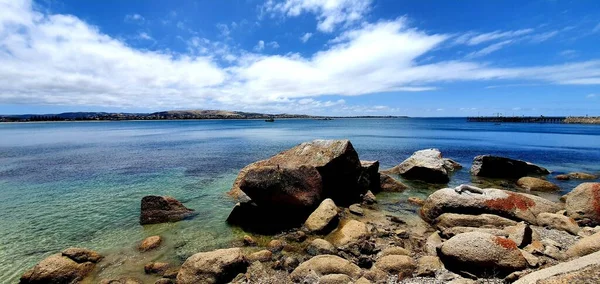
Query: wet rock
x=449 y=220
x=122 y=280
x=583 y=204
x=369 y=177
x=394 y=264
x=390 y=184
x=501 y=167
x=585 y=246
x=585 y=269
x=324 y=218
x=416 y=201
x=150 y=243
x=473 y=200
x=71 y=266
x=369 y=198
x=297 y=236
x=276 y=245
x=356 y=209
x=558 y=222
x=481 y=253
x=350 y=232
x=163 y=209
x=325 y=265
x=262 y=256
x=320 y=246
x=394 y=251
x=428 y=265
x=158 y=268
x=425 y=165
x=537 y=184
x=219 y=266
x=249 y=241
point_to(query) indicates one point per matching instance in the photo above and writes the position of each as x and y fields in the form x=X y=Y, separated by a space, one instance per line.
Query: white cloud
x=489 y=49
x=134 y=18
x=306 y=37
x=591 y=96
x=145 y=36
x=329 y=13
x=260 y=46
x=538 y=38
x=61 y=60
x=475 y=39
x=274 y=45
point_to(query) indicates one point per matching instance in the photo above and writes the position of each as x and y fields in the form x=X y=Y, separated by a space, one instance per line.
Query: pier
x=518 y=119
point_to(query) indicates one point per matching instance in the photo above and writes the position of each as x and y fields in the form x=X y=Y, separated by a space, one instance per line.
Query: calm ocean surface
x=80 y=183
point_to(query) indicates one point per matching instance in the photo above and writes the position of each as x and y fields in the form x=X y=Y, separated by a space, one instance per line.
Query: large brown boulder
x=163 y=209
x=583 y=204
x=472 y=200
x=480 y=253
x=335 y=160
x=324 y=218
x=425 y=165
x=219 y=266
x=501 y=167
x=537 y=184
x=70 y=266
x=350 y=232
x=323 y=265
x=394 y=264
x=449 y=220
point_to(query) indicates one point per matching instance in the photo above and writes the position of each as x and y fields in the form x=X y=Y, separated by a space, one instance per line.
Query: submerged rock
x=426 y=165
x=162 y=209
x=582 y=176
x=219 y=266
x=323 y=265
x=480 y=253
x=472 y=200
x=390 y=184
x=501 y=167
x=583 y=204
x=70 y=266
x=150 y=243
x=537 y=184
x=324 y=218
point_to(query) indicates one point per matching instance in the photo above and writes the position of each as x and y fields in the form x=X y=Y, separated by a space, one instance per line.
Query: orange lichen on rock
x=596 y=197
x=505 y=243
x=512 y=202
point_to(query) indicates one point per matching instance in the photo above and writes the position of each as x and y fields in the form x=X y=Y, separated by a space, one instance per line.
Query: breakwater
x=518 y=119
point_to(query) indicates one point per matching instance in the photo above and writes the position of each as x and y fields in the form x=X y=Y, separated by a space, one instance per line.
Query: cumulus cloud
x=260 y=46
x=61 y=60
x=306 y=37
x=329 y=13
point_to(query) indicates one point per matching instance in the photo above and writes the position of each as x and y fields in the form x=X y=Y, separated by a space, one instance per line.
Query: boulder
x=537 y=184
x=501 y=167
x=428 y=265
x=416 y=201
x=350 y=232
x=585 y=269
x=335 y=279
x=158 y=268
x=324 y=218
x=453 y=231
x=369 y=177
x=472 y=200
x=249 y=241
x=583 y=204
x=521 y=234
x=425 y=165
x=162 y=209
x=558 y=222
x=369 y=198
x=219 y=266
x=449 y=220
x=394 y=264
x=394 y=251
x=70 y=266
x=325 y=265
x=150 y=243
x=390 y=184
x=481 y=253
x=276 y=245
x=433 y=243
x=122 y=280
x=320 y=246
x=582 y=176
x=356 y=209
x=585 y=246
x=335 y=160
x=262 y=256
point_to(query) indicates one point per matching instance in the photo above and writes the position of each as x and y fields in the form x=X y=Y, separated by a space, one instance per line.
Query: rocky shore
x=311 y=215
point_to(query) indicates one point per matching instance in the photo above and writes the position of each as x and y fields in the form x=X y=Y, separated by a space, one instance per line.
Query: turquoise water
x=80 y=183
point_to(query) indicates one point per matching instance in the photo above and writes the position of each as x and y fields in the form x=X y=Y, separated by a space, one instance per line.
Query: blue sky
x=335 y=57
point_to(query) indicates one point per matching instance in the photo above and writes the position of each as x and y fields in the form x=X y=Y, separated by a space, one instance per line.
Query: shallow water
x=80 y=183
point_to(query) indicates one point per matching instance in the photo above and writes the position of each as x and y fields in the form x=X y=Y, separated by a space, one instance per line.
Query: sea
x=65 y=184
